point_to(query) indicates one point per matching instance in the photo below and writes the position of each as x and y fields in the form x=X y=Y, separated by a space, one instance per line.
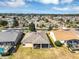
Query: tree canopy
x=50 y=27
x=32 y=27
x=3 y=23
x=15 y=23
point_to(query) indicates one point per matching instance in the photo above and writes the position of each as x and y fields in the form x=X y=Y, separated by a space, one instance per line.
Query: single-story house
x=69 y=37
x=9 y=40
x=73 y=44
x=64 y=35
x=36 y=40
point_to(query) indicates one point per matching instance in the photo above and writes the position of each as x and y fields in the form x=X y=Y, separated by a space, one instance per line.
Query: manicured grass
x=53 y=53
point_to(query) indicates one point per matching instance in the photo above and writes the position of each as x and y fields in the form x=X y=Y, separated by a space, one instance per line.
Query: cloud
x=67 y=8
x=76 y=8
x=12 y=3
x=18 y=3
x=49 y=1
x=46 y=1
x=66 y=1
x=2 y=4
x=60 y=9
x=52 y=1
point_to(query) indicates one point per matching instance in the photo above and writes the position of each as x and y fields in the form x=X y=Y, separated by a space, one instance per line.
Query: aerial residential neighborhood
x=39 y=29
x=39 y=36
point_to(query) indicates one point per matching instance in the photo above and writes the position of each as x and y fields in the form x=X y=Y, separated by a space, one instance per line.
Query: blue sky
x=40 y=6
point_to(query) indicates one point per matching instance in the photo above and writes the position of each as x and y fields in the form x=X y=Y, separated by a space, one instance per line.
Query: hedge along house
x=9 y=41
x=36 y=40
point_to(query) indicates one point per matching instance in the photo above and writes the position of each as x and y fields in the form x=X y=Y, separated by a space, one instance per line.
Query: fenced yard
x=53 y=53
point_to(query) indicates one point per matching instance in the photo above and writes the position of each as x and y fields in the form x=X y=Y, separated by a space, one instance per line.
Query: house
x=73 y=45
x=9 y=41
x=67 y=36
x=36 y=40
x=64 y=35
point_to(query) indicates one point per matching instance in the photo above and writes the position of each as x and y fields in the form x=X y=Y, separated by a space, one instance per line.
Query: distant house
x=9 y=41
x=36 y=40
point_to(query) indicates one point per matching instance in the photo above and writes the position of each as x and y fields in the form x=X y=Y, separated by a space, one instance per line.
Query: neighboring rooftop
x=36 y=38
x=65 y=34
x=9 y=36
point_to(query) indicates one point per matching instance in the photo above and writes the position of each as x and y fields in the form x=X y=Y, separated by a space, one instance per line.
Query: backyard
x=53 y=53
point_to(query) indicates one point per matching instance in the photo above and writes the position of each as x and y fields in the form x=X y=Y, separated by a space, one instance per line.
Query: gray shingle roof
x=9 y=36
x=36 y=38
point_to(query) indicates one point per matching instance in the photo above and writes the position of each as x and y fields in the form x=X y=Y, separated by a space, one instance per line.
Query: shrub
x=58 y=43
x=69 y=45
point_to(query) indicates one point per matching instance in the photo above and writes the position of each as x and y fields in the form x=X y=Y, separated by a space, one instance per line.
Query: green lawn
x=53 y=53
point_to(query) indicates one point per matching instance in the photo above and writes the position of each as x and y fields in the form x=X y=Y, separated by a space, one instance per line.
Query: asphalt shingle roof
x=9 y=36
x=36 y=38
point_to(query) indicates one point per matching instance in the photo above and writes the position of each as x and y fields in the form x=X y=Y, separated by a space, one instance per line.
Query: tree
x=42 y=25
x=50 y=28
x=68 y=21
x=61 y=20
x=46 y=20
x=55 y=26
x=3 y=23
x=15 y=22
x=3 y=16
x=32 y=27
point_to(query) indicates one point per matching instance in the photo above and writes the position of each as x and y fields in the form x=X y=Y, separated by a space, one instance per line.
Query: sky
x=40 y=6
